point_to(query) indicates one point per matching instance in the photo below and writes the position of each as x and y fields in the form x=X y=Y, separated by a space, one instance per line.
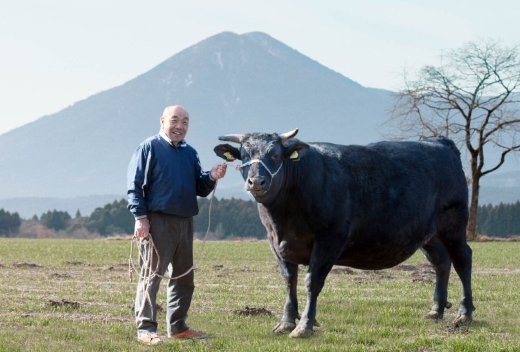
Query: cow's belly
x=367 y=255
x=376 y=257
x=375 y=248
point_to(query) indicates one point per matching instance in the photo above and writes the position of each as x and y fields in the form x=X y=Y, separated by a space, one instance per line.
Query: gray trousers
x=173 y=238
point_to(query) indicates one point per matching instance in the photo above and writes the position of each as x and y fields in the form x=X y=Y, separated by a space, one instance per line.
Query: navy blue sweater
x=166 y=179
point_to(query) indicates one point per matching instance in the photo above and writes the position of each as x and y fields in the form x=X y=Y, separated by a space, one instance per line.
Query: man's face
x=175 y=126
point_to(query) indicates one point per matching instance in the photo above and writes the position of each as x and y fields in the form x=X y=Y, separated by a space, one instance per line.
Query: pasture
x=75 y=295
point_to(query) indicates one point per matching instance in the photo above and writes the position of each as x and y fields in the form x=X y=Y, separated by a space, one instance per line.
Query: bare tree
x=473 y=97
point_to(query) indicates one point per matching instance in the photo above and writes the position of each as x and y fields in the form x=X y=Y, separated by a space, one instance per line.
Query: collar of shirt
x=167 y=139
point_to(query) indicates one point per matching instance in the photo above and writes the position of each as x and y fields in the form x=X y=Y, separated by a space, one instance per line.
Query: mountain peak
x=229 y=83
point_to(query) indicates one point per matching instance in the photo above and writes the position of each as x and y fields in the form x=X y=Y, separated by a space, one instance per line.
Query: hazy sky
x=57 y=52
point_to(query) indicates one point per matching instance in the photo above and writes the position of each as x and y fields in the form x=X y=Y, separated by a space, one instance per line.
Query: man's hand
x=142 y=228
x=218 y=171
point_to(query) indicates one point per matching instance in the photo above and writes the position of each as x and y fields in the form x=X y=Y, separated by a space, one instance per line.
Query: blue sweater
x=166 y=179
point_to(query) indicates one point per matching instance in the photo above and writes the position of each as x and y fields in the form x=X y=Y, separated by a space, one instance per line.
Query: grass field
x=75 y=295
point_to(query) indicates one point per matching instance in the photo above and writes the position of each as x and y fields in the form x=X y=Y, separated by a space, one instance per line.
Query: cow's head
x=263 y=159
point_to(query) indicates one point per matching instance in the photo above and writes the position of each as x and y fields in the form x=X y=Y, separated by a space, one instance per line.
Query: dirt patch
x=218 y=267
x=404 y=267
x=247 y=311
x=456 y=329
x=360 y=280
x=63 y=303
x=376 y=275
x=73 y=262
x=425 y=279
x=26 y=265
x=247 y=270
x=420 y=273
x=345 y=271
x=424 y=266
x=423 y=273
x=60 y=275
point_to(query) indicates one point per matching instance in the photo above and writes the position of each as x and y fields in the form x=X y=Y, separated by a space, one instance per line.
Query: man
x=164 y=179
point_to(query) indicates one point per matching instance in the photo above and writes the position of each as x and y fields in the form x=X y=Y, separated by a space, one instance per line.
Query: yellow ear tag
x=294 y=155
x=228 y=156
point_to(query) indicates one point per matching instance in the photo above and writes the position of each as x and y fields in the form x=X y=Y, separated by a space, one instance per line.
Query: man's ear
x=294 y=149
x=227 y=152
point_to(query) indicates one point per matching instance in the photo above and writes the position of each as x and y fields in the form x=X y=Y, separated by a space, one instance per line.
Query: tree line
x=501 y=220
x=229 y=219
x=9 y=223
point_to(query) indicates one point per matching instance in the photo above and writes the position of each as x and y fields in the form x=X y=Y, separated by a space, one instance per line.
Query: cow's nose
x=256 y=182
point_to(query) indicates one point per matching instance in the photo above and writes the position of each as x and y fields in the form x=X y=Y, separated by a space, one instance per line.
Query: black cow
x=367 y=207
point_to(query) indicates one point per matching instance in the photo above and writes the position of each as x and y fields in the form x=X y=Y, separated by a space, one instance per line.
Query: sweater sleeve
x=137 y=175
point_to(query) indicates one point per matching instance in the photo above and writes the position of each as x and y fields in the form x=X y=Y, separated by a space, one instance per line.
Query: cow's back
x=394 y=194
x=405 y=171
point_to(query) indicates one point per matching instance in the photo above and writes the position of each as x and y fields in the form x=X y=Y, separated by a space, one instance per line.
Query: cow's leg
x=289 y=273
x=324 y=255
x=453 y=236
x=437 y=255
x=461 y=256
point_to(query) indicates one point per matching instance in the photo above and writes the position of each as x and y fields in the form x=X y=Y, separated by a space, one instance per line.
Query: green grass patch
x=75 y=295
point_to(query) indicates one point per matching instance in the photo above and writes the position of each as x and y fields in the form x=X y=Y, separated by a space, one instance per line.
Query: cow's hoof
x=433 y=314
x=448 y=305
x=462 y=319
x=301 y=332
x=284 y=327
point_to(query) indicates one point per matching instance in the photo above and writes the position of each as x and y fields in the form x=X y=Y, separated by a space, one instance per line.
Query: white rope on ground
x=148 y=272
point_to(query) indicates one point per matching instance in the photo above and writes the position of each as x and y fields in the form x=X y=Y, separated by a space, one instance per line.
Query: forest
x=229 y=219
x=501 y=220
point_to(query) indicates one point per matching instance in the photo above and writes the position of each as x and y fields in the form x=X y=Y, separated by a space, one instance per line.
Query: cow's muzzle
x=256 y=185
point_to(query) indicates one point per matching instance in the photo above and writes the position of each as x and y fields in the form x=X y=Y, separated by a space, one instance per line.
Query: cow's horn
x=288 y=135
x=237 y=138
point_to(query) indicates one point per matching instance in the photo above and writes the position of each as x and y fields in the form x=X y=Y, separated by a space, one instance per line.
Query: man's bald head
x=175 y=122
x=174 y=110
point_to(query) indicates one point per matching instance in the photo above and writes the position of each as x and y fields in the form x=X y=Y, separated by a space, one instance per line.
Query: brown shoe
x=149 y=338
x=190 y=334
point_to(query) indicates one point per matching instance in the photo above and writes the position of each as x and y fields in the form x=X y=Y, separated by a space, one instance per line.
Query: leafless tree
x=472 y=97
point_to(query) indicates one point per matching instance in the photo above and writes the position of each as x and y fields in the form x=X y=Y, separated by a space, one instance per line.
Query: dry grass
x=75 y=295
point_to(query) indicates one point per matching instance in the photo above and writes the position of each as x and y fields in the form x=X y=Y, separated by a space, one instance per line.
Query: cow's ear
x=294 y=149
x=227 y=152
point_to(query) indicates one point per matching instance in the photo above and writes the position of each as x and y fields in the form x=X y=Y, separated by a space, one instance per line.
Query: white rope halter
x=254 y=161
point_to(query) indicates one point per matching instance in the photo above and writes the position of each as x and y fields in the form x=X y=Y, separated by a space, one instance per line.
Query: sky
x=57 y=52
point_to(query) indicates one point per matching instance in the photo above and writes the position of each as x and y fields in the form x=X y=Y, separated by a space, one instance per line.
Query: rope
x=251 y=162
x=149 y=272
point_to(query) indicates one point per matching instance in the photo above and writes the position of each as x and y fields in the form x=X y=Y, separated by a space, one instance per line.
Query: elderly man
x=164 y=179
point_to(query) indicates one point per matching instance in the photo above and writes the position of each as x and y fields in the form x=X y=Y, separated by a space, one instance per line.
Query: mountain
x=229 y=83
